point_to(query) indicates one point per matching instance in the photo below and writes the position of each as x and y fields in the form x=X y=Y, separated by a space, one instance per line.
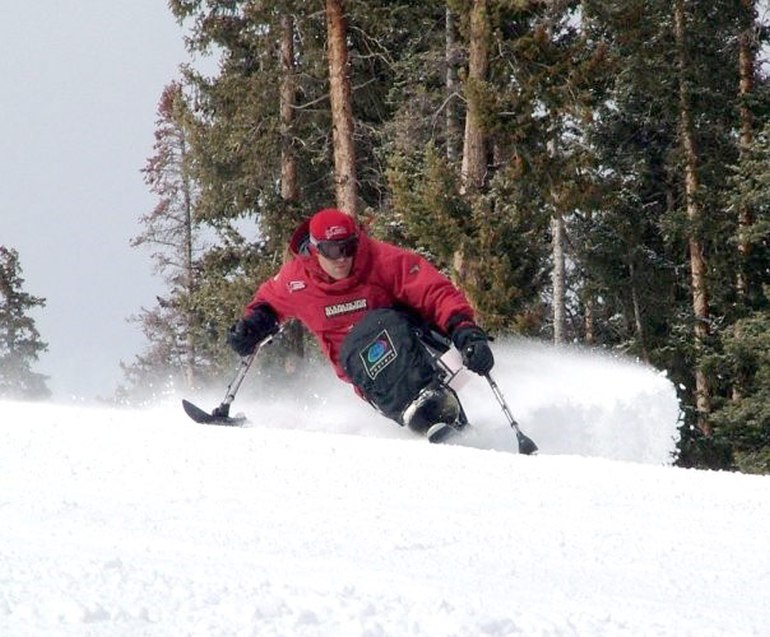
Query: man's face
x=336 y=268
x=336 y=257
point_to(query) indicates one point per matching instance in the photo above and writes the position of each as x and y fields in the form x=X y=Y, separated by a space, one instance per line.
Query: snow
x=322 y=518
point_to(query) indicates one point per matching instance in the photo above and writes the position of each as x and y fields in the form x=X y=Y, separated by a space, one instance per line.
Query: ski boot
x=436 y=412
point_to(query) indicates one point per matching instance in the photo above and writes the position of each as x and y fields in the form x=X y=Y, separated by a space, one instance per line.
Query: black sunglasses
x=338 y=249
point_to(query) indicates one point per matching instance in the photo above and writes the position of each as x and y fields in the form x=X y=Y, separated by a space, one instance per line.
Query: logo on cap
x=336 y=232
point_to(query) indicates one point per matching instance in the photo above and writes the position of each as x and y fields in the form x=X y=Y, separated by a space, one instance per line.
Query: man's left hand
x=473 y=344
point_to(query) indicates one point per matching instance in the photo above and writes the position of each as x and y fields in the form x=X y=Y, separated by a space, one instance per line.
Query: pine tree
x=665 y=139
x=742 y=425
x=522 y=102
x=20 y=343
x=742 y=414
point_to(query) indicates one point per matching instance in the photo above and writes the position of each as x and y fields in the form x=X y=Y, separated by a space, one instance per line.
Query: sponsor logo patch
x=345 y=308
x=378 y=354
x=332 y=232
x=296 y=286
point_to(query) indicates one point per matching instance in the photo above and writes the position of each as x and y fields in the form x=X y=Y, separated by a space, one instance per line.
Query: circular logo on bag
x=378 y=354
x=376 y=351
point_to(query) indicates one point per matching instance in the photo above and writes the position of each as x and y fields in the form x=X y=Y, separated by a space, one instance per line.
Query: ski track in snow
x=323 y=519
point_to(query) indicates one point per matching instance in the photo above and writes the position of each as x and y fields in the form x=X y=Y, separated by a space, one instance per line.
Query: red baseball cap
x=331 y=224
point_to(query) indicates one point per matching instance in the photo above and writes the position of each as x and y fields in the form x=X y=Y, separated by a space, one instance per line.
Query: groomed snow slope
x=323 y=519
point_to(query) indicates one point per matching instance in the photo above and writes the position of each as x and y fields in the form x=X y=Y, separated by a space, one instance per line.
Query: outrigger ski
x=217 y=417
x=221 y=415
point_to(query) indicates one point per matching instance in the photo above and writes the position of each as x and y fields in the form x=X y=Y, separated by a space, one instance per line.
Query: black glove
x=473 y=344
x=250 y=330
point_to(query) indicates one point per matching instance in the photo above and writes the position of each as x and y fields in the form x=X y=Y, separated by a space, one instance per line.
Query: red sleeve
x=420 y=286
x=274 y=293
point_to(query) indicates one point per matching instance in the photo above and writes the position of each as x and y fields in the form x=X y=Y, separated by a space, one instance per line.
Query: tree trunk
x=641 y=337
x=452 y=83
x=746 y=61
x=190 y=358
x=289 y=190
x=700 y=301
x=589 y=321
x=474 y=165
x=341 y=106
x=293 y=332
x=558 y=279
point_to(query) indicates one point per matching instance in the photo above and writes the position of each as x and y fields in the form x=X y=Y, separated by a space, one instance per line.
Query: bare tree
x=168 y=229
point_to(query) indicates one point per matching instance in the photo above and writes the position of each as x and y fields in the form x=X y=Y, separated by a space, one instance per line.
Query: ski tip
x=205 y=418
x=195 y=412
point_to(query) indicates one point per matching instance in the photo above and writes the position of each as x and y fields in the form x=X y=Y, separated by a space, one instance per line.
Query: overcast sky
x=81 y=81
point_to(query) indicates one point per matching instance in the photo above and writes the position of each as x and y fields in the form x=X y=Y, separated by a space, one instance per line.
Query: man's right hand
x=252 y=329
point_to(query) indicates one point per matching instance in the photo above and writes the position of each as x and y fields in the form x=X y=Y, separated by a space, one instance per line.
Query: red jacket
x=383 y=275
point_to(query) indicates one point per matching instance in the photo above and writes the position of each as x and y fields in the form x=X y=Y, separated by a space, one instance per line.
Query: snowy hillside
x=323 y=519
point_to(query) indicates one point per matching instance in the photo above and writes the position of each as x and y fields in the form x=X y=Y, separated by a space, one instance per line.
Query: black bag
x=384 y=358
